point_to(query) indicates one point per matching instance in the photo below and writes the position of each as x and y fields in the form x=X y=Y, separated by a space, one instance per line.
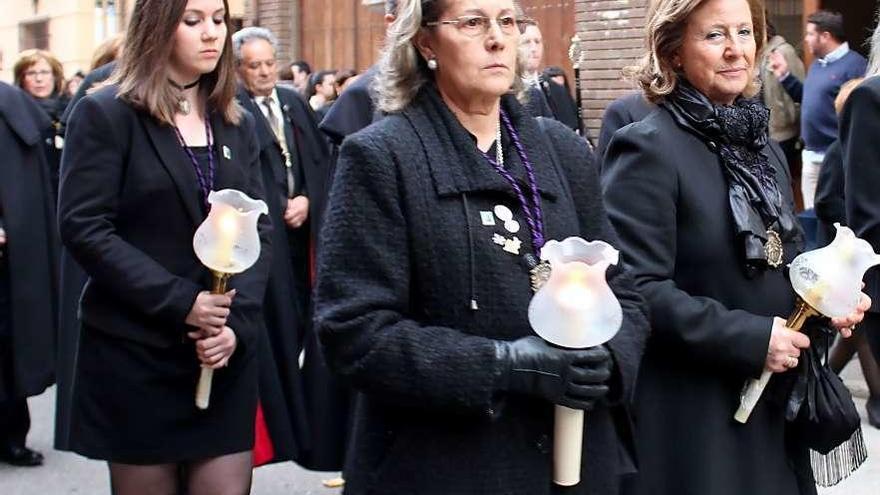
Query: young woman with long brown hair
x=142 y=154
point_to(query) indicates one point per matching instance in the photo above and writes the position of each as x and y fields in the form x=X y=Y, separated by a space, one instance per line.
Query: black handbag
x=822 y=414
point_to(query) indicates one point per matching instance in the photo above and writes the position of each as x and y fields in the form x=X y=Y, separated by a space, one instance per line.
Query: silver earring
x=432 y=63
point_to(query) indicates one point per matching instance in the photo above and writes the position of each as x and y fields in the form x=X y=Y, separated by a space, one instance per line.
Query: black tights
x=224 y=475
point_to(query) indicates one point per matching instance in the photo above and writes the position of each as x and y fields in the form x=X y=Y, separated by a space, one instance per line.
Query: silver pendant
x=183 y=106
x=773 y=249
x=539 y=275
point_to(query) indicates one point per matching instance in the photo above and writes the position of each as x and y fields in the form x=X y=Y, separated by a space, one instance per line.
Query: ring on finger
x=791 y=362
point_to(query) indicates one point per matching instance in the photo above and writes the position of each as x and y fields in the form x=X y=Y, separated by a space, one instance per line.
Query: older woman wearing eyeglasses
x=436 y=217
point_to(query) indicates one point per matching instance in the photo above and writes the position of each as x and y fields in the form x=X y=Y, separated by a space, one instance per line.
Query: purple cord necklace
x=205 y=183
x=532 y=211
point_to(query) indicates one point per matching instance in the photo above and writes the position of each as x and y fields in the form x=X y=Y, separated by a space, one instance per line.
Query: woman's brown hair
x=664 y=35
x=28 y=58
x=108 y=51
x=148 y=47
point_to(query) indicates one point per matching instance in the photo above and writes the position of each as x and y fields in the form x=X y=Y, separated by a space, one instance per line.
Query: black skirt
x=134 y=404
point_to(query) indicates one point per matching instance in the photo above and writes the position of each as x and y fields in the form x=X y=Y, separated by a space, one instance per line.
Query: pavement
x=65 y=473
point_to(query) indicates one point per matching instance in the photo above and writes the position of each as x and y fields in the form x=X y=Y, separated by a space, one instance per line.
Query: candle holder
x=576 y=56
x=574 y=309
x=227 y=242
x=828 y=282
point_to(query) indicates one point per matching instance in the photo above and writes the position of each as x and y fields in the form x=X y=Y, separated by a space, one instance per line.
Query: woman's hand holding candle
x=210 y=310
x=214 y=352
x=785 y=347
x=846 y=324
x=574 y=378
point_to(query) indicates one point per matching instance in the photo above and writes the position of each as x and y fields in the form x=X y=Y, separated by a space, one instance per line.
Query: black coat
x=128 y=212
x=829 y=205
x=629 y=108
x=561 y=104
x=72 y=280
x=353 y=109
x=404 y=253
x=537 y=104
x=288 y=301
x=330 y=400
x=668 y=200
x=31 y=252
x=860 y=146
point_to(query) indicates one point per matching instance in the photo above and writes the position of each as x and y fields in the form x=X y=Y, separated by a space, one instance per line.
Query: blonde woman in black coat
x=423 y=278
x=703 y=205
x=142 y=155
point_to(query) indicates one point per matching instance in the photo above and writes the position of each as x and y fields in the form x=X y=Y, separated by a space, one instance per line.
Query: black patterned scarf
x=739 y=134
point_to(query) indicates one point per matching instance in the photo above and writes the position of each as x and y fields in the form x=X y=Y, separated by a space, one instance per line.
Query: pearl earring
x=432 y=63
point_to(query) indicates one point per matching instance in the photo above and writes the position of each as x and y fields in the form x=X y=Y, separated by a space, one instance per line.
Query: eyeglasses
x=478 y=25
x=35 y=73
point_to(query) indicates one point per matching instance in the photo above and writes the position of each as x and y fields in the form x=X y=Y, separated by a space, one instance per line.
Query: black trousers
x=15 y=422
x=15 y=419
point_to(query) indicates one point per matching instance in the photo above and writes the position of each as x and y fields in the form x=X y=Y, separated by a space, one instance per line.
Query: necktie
x=278 y=129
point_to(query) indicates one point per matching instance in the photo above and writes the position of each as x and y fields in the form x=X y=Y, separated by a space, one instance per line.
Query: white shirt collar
x=273 y=95
x=835 y=55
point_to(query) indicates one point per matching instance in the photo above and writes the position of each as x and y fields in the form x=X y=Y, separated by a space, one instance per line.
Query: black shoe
x=20 y=456
x=873 y=408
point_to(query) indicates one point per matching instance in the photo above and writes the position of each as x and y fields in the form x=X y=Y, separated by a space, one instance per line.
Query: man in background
x=834 y=65
x=301 y=72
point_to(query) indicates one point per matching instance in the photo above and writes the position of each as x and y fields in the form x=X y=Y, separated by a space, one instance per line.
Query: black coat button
x=712 y=146
x=543 y=444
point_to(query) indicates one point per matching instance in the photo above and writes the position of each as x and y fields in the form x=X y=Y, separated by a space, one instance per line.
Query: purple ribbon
x=205 y=183
x=532 y=211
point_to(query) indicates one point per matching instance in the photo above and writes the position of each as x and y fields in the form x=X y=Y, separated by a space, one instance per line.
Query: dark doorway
x=859 y=19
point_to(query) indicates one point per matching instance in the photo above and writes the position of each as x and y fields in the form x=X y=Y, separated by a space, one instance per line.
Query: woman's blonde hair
x=874 y=56
x=666 y=22
x=846 y=89
x=28 y=58
x=141 y=75
x=402 y=70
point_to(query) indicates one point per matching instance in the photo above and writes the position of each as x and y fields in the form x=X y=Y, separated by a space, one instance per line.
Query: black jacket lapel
x=176 y=162
x=228 y=149
x=264 y=132
x=457 y=166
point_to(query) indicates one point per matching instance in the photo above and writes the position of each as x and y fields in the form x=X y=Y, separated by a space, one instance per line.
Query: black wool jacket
x=407 y=251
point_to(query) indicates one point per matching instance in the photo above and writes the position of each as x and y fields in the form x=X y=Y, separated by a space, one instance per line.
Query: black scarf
x=739 y=134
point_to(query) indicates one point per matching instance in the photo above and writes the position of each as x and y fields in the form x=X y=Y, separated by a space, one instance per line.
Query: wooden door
x=340 y=34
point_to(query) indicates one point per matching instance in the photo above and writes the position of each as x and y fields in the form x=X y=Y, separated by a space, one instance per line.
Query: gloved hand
x=574 y=378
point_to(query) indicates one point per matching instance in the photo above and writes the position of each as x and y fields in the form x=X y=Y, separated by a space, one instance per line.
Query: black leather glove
x=574 y=378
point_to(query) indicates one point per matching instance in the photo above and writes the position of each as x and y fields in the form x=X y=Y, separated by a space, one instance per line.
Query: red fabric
x=264 y=451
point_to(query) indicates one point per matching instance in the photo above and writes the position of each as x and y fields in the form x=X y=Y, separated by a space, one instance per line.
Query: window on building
x=34 y=34
x=106 y=19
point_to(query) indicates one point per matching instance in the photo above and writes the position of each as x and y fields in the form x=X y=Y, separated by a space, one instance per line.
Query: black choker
x=188 y=86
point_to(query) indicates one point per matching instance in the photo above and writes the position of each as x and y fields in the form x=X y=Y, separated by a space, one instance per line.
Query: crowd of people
x=384 y=331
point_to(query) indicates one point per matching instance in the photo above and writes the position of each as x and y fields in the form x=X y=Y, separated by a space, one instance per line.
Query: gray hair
x=391 y=7
x=243 y=36
x=874 y=58
x=402 y=71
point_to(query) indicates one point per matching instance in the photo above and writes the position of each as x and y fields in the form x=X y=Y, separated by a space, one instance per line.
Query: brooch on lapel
x=510 y=244
x=773 y=250
x=227 y=153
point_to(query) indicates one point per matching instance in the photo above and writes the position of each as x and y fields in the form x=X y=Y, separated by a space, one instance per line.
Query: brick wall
x=282 y=17
x=612 y=38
